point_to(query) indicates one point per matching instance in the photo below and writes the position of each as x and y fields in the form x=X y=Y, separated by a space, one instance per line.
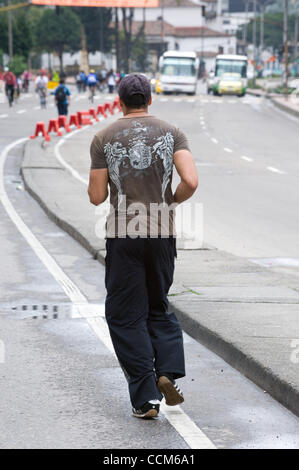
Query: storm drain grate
x=39 y=311
x=53 y=311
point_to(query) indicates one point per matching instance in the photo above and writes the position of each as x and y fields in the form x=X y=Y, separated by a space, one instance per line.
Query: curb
x=281 y=106
x=285 y=108
x=262 y=376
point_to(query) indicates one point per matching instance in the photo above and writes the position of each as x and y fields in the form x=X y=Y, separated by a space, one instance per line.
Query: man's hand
x=98 y=186
x=186 y=168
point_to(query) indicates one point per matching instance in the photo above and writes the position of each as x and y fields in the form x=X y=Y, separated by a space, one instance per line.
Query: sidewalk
x=244 y=312
x=289 y=105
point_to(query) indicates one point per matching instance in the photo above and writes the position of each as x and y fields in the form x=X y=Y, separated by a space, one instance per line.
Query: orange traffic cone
x=74 y=121
x=53 y=126
x=101 y=110
x=40 y=127
x=93 y=113
x=83 y=119
x=108 y=106
x=62 y=122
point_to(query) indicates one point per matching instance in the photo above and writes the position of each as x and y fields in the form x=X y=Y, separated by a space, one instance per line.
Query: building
x=207 y=43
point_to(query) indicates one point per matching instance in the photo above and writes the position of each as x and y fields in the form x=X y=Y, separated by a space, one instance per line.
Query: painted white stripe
x=73 y=172
x=177 y=100
x=192 y=435
x=37 y=107
x=247 y=159
x=3 y=115
x=163 y=100
x=21 y=111
x=275 y=170
x=227 y=149
x=190 y=100
x=214 y=140
x=67 y=285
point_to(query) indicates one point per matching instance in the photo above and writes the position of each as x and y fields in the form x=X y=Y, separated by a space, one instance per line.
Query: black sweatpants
x=146 y=337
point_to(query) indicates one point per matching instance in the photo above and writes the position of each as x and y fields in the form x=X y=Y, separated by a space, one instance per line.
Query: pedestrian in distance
x=111 y=81
x=135 y=156
x=62 y=98
x=41 y=87
x=10 y=84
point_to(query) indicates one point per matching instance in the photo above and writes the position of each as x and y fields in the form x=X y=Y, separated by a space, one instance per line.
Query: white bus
x=230 y=63
x=178 y=72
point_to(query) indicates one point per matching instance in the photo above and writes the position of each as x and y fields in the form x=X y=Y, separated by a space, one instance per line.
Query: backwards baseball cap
x=134 y=84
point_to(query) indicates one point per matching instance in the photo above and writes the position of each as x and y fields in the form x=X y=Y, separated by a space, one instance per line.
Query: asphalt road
x=247 y=157
x=60 y=385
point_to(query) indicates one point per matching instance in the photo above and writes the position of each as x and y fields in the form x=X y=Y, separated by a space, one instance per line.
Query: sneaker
x=172 y=393
x=149 y=410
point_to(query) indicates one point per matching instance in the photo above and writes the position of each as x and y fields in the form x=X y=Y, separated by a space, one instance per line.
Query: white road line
x=177 y=100
x=275 y=170
x=227 y=149
x=187 y=429
x=3 y=115
x=214 y=140
x=21 y=111
x=247 y=159
x=37 y=107
x=163 y=100
x=191 y=100
x=72 y=170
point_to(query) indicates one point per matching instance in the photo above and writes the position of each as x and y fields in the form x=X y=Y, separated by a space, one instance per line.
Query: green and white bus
x=230 y=63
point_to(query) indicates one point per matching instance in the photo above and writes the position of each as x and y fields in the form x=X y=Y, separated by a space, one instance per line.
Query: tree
x=95 y=22
x=130 y=40
x=22 y=34
x=58 y=32
x=273 y=30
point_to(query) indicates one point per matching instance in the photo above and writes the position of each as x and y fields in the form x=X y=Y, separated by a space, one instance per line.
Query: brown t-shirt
x=138 y=153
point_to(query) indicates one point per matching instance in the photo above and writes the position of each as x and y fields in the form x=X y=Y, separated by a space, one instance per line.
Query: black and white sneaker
x=171 y=391
x=149 y=410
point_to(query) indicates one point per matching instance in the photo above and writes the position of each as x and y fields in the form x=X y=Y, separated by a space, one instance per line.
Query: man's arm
x=186 y=169
x=98 y=186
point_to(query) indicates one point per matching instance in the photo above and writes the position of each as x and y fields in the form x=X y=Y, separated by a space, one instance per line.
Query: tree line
x=37 y=30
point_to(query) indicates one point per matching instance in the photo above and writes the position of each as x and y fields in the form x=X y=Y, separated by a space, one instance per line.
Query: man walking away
x=62 y=98
x=10 y=84
x=135 y=156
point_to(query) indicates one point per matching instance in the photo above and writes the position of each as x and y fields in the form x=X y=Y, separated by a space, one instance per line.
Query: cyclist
x=10 y=83
x=92 y=82
x=41 y=84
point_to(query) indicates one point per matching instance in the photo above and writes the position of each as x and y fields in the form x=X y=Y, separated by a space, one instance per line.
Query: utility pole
x=254 y=41
x=101 y=34
x=10 y=33
x=296 y=36
x=162 y=25
x=285 y=40
x=245 y=26
x=262 y=20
